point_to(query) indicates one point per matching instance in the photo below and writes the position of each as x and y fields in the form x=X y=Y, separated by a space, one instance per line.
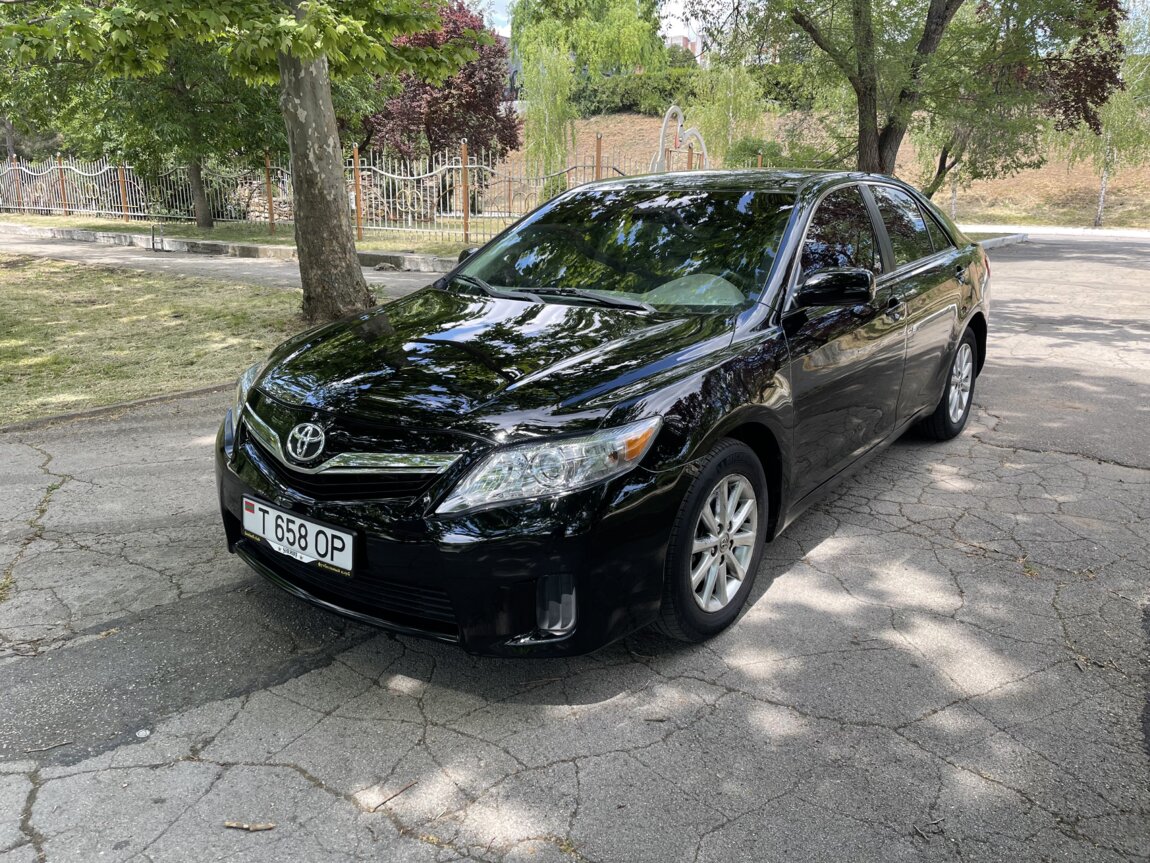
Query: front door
x=846 y=362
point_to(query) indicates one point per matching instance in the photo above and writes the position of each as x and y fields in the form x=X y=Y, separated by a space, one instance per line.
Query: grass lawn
x=74 y=337
x=242 y=232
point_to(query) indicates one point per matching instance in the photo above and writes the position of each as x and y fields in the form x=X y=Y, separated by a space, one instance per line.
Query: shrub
x=650 y=93
x=744 y=153
x=553 y=186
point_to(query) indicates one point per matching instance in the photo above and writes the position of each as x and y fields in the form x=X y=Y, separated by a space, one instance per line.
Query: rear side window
x=841 y=235
x=936 y=234
x=905 y=225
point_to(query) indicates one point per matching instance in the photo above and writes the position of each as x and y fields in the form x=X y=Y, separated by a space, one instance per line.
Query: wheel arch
x=977 y=325
x=765 y=446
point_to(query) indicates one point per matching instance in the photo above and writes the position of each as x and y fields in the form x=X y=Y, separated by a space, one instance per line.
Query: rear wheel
x=716 y=544
x=953 y=410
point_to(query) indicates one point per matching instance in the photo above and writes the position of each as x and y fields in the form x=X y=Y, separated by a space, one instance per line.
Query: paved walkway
x=944 y=662
x=280 y=274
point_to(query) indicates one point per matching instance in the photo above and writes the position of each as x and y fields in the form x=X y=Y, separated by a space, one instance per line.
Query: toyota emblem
x=305 y=442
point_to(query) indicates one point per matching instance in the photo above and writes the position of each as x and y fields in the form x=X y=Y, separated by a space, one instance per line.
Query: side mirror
x=467 y=253
x=848 y=286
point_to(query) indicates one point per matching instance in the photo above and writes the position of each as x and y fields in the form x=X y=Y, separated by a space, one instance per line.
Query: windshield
x=671 y=249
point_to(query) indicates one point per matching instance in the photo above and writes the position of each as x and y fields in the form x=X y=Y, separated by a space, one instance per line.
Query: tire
x=953 y=410
x=728 y=566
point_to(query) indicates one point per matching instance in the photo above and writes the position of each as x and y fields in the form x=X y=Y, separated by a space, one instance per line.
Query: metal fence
x=425 y=197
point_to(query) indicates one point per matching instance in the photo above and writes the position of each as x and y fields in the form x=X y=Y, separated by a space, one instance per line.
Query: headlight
x=555 y=466
x=243 y=387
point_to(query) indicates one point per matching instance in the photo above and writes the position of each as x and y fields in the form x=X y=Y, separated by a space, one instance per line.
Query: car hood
x=442 y=359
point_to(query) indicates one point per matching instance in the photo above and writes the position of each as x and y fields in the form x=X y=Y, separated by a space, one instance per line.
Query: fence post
x=667 y=159
x=123 y=192
x=63 y=188
x=598 y=155
x=510 y=198
x=268 y=188
x=19 y=184
x=358 y=192
x=466 y=193
x=760 y=158
x=690 y=156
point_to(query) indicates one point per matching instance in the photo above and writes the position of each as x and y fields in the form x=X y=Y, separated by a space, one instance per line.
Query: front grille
x=344 y=486
x=415 y=606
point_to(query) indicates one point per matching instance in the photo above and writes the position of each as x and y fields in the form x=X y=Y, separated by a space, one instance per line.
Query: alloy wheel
x=961 y=379
x=725 y=538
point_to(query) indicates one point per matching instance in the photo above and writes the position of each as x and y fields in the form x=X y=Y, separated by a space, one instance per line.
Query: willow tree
x=296 y=45
x=559 y=40
x=728 y=107
x=1123 y=135
x=906 y=61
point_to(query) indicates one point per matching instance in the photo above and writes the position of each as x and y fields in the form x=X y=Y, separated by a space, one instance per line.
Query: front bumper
x=475 y=578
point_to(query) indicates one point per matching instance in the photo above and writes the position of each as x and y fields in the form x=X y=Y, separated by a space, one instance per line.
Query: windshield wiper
x=492 y=291
x=601 y=299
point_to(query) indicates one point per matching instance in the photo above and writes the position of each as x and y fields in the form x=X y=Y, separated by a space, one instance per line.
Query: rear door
x=925 y=276
x=845 y=365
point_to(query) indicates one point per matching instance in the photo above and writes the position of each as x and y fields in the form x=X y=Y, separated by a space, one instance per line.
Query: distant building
x=695 y=46
x=684 y=42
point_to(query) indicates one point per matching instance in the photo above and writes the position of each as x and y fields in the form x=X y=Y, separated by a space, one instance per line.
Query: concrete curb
x=409 y=261
x=999 y=242
x=1041 y=230
x=92 y=413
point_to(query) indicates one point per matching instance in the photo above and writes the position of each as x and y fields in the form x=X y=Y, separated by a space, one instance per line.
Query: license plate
x=297 y=537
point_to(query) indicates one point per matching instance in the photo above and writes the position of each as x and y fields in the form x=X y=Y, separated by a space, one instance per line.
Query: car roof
x=755 y=179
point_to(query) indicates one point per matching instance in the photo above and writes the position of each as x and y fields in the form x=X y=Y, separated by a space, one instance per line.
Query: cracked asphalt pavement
x=944 y=661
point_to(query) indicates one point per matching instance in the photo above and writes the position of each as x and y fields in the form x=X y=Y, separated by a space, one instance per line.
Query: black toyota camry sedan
x=597 y=421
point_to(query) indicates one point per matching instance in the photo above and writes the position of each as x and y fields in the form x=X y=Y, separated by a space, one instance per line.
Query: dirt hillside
x=1054 y=194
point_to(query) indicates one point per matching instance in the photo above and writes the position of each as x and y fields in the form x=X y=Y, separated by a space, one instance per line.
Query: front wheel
x=953 y=410
x=716 y=544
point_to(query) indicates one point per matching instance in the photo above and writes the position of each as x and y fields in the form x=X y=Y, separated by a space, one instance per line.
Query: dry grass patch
x=74 y=337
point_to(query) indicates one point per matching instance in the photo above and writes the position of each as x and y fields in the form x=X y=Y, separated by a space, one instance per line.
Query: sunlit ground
x=74 y=337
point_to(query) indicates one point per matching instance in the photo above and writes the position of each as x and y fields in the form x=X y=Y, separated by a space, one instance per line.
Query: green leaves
x=560 y=40
x=134 y=37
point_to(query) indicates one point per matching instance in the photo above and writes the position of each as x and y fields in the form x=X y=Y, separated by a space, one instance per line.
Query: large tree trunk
x=889 y=143
x=333 y=283
x=200 y=195
x=865 y=85
x=869 y=159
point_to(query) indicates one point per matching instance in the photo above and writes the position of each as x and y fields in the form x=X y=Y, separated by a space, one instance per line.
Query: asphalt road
x=260 y=271
x=946 y=661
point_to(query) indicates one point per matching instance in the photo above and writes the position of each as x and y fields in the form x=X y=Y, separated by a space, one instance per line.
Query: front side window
x=904 y=225
x=686 y=249
x=841 y=235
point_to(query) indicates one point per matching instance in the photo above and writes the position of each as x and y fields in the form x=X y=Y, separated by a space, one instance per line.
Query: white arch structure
x=659 y=163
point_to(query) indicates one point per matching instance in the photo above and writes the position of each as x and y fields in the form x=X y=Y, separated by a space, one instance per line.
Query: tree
x=293 y=43
x=423 y=118
x=679 y=57
x=173 y=117
x=728 y=106
x=1059 y=56
x=1123 y=136
x=558 y=40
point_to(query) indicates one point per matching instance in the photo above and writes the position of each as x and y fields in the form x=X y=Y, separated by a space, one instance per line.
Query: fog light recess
x=555 y=609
